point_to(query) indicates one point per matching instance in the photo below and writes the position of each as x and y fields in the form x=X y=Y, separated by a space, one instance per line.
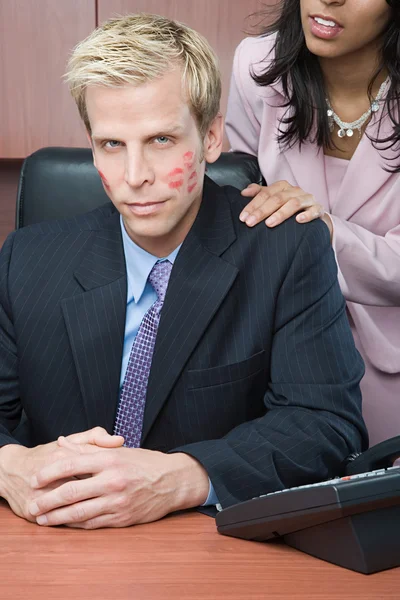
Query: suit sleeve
x=312 y=418
x=369 y=264
x=10 y=406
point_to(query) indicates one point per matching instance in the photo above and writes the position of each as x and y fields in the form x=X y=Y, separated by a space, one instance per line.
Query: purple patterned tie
x=129 y=420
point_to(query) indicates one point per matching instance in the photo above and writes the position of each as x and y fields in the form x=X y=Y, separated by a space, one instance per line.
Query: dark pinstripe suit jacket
x=254 y=373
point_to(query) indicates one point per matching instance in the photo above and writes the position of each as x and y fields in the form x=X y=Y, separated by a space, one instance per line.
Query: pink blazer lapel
x=308 y=168
x=365 y=175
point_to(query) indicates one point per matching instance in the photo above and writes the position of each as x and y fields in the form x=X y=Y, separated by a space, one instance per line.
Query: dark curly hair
x=303 y=83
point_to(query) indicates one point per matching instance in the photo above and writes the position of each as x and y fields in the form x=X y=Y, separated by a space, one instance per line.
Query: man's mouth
x=145 y=208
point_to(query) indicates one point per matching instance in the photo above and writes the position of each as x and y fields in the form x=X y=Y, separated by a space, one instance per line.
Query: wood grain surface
x=180 y=557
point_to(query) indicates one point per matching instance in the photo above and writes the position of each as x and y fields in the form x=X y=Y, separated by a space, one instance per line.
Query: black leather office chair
x=57 y=183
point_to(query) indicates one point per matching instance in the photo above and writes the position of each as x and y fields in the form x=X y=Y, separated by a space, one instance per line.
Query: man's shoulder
x=97 y=219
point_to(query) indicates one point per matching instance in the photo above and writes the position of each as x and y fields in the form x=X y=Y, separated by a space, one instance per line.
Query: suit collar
x=213 y=226
x=104 y=261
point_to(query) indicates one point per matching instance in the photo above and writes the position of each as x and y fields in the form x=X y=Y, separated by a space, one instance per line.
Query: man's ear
x=213 y=140
x=89 y=137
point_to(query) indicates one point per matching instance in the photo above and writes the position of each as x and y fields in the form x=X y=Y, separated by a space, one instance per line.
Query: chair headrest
x=58 y=183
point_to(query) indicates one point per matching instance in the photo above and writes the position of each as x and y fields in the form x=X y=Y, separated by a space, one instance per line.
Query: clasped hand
x=100 y=483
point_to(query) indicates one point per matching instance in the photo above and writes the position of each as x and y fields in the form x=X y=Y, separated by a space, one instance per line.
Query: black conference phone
x=352 y=521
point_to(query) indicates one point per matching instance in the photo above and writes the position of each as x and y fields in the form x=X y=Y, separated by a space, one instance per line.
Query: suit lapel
x=198 y=285
x=95 y=323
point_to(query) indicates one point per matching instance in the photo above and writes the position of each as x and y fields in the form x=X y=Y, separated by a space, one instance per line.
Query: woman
x=316 y=98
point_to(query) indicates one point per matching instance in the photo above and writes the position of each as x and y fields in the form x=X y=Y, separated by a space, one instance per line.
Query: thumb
x=97 y=437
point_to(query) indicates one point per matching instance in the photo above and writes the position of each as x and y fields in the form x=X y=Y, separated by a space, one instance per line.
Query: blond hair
x=138 y=48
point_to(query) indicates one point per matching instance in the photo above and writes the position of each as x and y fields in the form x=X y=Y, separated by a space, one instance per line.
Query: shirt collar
x=139 y=264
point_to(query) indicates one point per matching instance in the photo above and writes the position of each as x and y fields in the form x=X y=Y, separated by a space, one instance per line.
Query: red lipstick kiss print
x=104 y=180
x=175 y=178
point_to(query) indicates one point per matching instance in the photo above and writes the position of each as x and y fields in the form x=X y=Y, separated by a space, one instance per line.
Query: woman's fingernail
x=251 y=221
x=243 y=216
x=301 y=217
x=271 y=221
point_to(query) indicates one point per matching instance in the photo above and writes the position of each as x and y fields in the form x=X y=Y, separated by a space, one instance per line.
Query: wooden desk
x=180 y=558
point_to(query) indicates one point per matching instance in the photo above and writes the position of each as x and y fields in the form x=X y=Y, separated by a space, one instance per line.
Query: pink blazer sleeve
x=369 y=264
x=242 y=126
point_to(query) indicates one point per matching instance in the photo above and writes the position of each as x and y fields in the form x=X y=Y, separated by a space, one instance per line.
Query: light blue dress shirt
x=140 y=296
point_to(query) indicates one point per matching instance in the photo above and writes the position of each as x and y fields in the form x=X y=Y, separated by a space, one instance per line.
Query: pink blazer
x=366 y=214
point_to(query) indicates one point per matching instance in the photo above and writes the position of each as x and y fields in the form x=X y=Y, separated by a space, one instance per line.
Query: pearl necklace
x=348 y=128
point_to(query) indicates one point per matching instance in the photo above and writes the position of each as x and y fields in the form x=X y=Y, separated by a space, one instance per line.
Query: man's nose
x=138 y=170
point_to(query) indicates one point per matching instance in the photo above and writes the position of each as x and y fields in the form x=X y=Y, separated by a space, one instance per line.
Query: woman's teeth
x=326 y=23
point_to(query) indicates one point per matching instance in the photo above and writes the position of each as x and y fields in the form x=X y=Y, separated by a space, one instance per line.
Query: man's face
x=150 y=157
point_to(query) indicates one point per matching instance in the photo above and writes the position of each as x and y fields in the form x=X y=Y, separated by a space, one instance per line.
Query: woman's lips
x=325 y=32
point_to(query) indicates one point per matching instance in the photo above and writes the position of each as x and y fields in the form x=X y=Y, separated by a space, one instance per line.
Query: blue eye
x=162 y=139
x=112 y=143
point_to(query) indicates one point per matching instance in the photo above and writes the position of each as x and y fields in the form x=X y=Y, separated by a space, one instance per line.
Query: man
x=222 y=351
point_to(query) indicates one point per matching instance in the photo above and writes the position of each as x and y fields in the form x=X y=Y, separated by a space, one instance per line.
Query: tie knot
x=159 y=277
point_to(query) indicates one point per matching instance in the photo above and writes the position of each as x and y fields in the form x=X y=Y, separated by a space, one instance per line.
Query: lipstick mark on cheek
x=188 y=159
x=176 y=184
x=193 y=179
x=176 y=171
x=104 y=180
x=175 y=178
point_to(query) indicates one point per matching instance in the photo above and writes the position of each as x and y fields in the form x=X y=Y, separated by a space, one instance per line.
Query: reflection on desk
x=179 y=557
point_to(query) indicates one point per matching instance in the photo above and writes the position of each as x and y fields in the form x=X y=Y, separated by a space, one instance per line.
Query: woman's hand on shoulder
x=277 y=202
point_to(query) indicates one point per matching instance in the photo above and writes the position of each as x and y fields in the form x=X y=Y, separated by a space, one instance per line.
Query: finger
x=106 y=520
x=314 y=212
x=275 y=188
x=76 y=513
x=254 y=205
x=251 y=190
x=290 y=208
x=267 y=201
x=264 y=211
x=97 y=436
x=73 y=491
x=63 y=442
x=73 y=466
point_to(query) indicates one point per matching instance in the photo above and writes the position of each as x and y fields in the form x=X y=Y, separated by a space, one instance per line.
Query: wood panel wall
x=36 y=37
x=9 y=176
